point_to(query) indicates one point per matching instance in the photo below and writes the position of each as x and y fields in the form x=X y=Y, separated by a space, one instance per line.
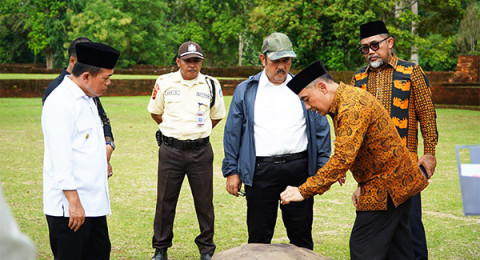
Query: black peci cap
x=372 y=28
x=306 y=76
x=97 y=54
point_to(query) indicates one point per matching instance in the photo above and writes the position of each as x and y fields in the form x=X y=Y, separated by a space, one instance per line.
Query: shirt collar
x=200 y=79
x=336 y=100
x=392 y=62
x=76 y=91
x=265 y=82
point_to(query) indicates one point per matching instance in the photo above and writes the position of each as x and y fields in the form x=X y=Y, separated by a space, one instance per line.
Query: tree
x=468 y=37
x=217 y=25
x=441 y=57
x=13 y=44
x=137 y=28
x=326 y=30
x=230 y=31
x=45 y=23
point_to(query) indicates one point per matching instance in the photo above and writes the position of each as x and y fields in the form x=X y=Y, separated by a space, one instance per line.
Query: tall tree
x=214 y=24
x=135 y=27
x=45 y=22
x=13 y=44
x=325 y=29
x=468 y=37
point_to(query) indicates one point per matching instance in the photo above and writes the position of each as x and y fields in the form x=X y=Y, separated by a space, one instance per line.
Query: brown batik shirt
x=368 y=144
x=402 y=88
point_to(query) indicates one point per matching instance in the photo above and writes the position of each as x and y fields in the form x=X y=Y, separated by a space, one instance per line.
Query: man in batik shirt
x=402 y=88
x=368 y=145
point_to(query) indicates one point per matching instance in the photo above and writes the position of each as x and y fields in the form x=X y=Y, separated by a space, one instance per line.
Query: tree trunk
x=413 y=50
x=49 y=58
x=240 y=50
x=398 y=9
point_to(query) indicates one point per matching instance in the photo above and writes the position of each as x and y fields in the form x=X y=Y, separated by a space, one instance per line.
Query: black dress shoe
x=205 y=257
x=160 y=254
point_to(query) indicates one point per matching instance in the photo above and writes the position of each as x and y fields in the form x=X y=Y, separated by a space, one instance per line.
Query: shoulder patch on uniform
x=155 y=91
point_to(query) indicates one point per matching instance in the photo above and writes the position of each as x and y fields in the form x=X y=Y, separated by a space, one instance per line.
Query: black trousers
x=91 y=241
x=263 y=199
x=382 y=234
x=418 y=231
x=173 y=165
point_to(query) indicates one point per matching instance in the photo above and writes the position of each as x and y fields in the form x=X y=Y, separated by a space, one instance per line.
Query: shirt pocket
x=85 y=133
x=203 y=103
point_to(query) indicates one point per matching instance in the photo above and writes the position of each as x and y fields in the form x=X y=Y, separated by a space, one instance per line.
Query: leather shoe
x=205 y=257
x=160 y=254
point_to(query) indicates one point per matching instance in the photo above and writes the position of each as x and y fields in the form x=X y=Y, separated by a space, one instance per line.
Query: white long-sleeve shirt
x=280 y=125
x=75 y=154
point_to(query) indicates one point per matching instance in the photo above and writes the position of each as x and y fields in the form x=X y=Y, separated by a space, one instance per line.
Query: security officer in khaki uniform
x=186 y=105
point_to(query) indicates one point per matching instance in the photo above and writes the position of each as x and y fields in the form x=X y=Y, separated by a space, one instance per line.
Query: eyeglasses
x=365 y=49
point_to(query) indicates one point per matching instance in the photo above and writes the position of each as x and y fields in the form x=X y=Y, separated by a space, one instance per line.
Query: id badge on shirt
x=200 y=119
x=200 y=116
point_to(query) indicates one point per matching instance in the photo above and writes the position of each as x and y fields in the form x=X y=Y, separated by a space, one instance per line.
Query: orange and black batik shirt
x=368 y=144
x=402 y=88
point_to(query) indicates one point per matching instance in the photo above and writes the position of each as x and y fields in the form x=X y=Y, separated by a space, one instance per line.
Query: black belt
x=185 y=144
x=282 y=158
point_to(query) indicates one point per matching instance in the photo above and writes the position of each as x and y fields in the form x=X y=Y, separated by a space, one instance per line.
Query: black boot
x=160 y=254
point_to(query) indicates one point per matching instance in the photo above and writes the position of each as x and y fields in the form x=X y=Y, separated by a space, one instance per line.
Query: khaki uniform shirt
x=181 y=101
x=368 y=144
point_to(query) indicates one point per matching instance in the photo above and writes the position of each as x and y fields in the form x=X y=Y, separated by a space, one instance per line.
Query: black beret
x=97 y=54
x=306 y=76
x=372 y=28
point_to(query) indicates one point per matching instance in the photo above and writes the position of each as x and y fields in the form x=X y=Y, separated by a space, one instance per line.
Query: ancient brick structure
x=467 y=70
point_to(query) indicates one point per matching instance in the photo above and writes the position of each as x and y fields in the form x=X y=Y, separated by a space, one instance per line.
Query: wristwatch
x=111 y=144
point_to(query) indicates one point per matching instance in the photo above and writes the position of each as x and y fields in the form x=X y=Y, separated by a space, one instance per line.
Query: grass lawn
x=450 y=235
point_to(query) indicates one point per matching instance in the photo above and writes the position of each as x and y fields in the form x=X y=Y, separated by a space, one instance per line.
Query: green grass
x=450 y=235
x=114 y=76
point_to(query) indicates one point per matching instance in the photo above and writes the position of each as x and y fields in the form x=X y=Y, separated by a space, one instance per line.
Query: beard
x=376 y=64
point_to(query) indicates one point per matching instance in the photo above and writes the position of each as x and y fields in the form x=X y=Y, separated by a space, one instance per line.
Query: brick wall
x=443 y=91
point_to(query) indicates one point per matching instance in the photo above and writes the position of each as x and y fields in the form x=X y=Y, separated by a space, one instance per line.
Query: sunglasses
x=365 y=49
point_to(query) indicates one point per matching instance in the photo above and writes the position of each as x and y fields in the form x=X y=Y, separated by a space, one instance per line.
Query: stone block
x=268 y=252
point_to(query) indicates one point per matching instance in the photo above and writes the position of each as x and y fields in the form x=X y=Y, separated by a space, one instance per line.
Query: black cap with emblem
x=189 y=50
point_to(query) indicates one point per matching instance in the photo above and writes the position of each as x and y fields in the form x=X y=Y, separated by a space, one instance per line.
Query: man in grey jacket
x=271 y=141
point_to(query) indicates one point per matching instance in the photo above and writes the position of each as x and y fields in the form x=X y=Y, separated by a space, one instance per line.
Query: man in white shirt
x=75 y=187
x=271 y=140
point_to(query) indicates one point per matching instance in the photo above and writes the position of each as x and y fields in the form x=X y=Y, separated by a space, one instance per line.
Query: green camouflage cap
x=278 y=45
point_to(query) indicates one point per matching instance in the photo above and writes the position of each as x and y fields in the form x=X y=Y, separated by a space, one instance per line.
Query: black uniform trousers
x=379 y=235
x=90 y=242
x=418 y=231
x=271 y=179
x=173 y=165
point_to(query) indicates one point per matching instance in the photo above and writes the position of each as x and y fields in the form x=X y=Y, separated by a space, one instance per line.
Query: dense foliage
x=231 y=31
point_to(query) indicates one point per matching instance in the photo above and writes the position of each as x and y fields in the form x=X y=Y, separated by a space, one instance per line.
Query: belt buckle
x=187 y=145
x=279 y=159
